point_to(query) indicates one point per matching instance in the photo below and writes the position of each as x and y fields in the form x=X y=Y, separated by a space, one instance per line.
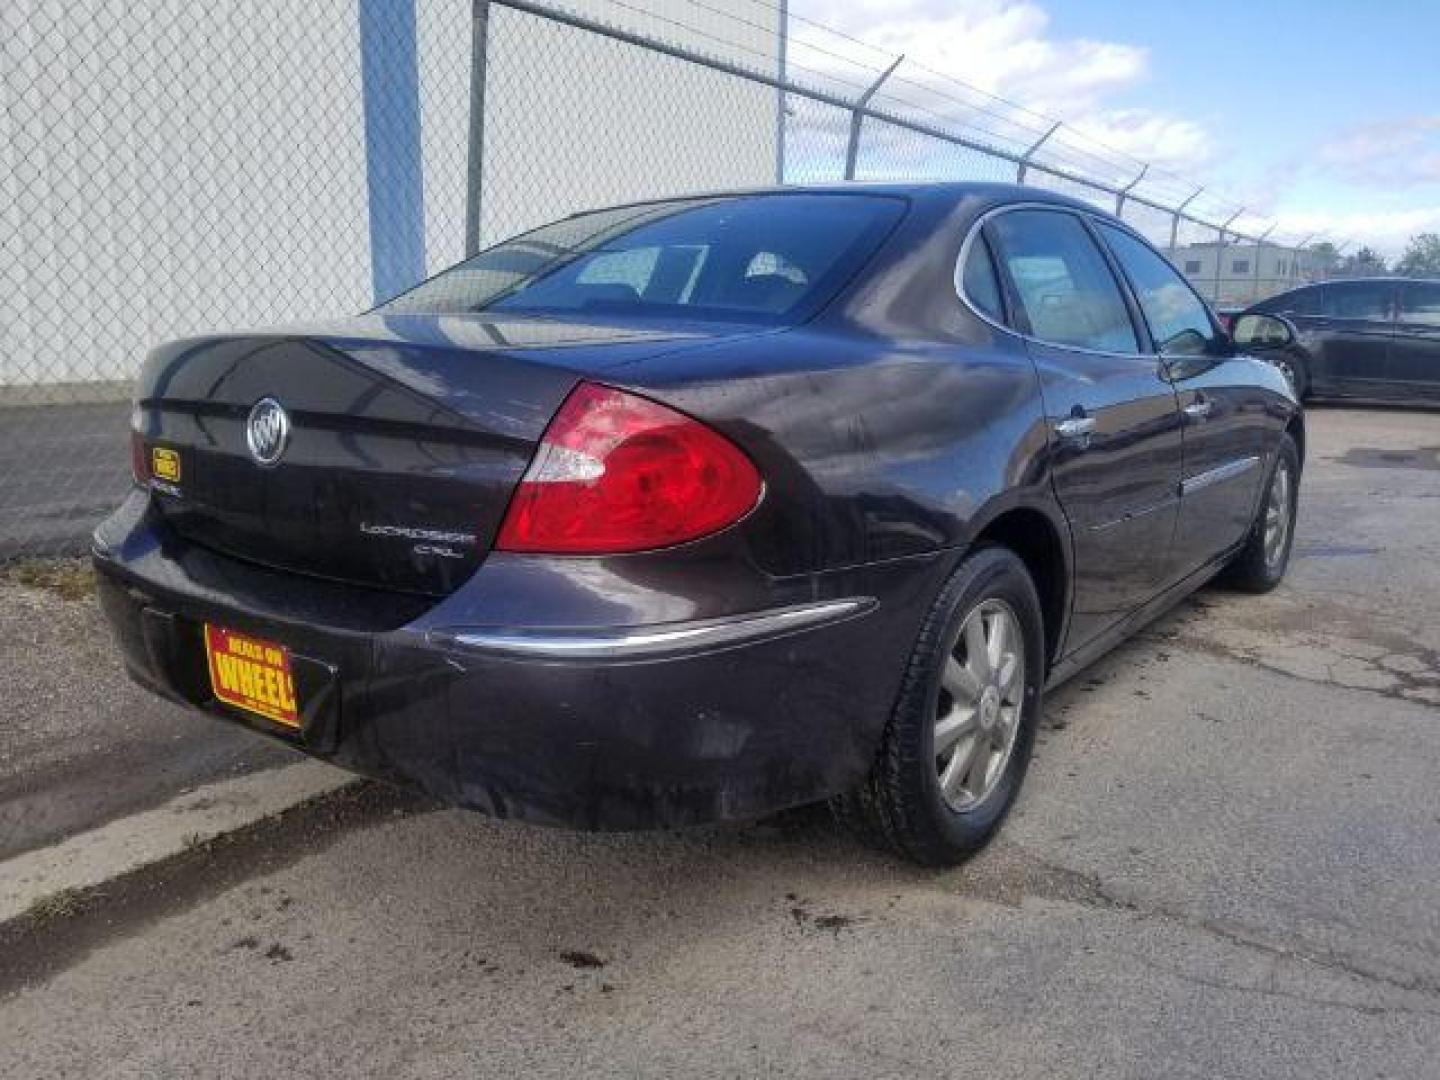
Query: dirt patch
x=580 y=958
x=1371 y=457
x=63 y=929
x=69 y=579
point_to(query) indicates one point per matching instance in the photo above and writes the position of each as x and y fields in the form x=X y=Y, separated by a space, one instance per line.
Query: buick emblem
x=267 y=431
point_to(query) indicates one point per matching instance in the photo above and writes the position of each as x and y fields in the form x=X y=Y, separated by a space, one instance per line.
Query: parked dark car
x=701 y=508
x=1375 y=339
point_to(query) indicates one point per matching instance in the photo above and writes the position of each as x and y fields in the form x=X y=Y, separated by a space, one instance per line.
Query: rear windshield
x=755 y=258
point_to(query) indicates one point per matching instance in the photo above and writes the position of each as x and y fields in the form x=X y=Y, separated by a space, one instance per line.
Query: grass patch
x=69 y=579
x=57 y=905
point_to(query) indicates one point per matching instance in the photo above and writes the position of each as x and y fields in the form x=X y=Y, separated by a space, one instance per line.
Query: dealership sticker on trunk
x=251 y=674
x=165 y=464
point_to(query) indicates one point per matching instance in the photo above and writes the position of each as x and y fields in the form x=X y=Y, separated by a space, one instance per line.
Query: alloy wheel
x=982 y=693
x=1278 y=515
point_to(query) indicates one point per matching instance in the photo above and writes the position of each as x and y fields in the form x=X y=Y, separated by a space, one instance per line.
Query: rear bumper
x=622 y=726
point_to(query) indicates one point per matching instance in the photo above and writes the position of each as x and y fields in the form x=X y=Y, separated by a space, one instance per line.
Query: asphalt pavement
x=1224 y=864
x=63 y=467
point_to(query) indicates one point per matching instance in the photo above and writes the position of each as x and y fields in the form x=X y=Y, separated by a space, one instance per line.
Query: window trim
x=957 y=281
x=1215 y=328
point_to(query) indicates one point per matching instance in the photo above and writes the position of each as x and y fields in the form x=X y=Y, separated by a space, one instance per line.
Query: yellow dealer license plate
x=251 y=674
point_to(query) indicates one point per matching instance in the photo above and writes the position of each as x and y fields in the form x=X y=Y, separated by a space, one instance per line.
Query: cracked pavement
x=1225 y=864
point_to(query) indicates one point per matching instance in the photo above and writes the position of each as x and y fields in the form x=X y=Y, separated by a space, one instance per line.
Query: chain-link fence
x=170 y=168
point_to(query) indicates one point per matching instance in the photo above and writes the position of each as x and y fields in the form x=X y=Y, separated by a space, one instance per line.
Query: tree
x=1324 y=255
x=1365 y=262
x=1422 y=256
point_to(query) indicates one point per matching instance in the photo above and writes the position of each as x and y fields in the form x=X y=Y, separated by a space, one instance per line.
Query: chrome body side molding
x=1228 y=471
x=635 y=642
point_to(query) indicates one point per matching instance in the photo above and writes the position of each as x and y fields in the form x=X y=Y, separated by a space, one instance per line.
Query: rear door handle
x=1075 y=427
x=1199 y=410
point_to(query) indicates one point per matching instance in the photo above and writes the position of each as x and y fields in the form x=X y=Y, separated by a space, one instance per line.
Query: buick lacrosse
x=700 y=508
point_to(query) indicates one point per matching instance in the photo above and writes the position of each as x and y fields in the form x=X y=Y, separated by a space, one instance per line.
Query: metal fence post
x=1177 y=214
x=782 y=61
x=1024 y=163
x=1220 y=250
x=394 y=166
x=1123 y=192
x=475 y=152
x=1300 y=248
x=857 y=116
x=1259 y=252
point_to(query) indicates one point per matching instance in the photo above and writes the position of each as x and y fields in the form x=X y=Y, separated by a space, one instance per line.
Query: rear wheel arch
x=1040 y=544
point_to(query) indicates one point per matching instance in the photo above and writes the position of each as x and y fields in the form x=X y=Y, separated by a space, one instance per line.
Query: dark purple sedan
x=701 y=508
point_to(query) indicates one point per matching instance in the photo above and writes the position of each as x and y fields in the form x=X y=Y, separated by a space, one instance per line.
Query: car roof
x=932 y=192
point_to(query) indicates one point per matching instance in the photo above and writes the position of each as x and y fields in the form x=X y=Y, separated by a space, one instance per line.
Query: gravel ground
x=1225 y=863
x=63 y=467
x=80 y=744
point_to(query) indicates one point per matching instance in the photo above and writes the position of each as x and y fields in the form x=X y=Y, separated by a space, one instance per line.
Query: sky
x=1319 y=116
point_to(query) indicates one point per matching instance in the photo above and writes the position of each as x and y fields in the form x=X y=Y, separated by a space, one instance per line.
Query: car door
x=1415 y=348
x=1114 y=422
x=1350 y=348
x=1226 y=430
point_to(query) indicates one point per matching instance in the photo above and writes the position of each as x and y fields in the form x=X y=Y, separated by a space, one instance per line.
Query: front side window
x=1358 y=300
x=1420 y=305
x=759 y=258
x=1192 y=266
x=1178 y=319
x=1240 y=266
x=1065 y=289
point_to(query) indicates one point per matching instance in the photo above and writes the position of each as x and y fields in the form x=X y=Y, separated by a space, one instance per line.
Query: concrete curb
x=131 y=843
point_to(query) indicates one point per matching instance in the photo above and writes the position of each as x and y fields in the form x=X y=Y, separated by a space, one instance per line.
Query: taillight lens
x=139 y=463
x=615 y=472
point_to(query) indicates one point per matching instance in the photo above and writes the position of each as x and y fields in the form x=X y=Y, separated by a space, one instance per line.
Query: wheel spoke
x=997 y=640
x=961 y=682
x=979 y=767
x=976 y=647
x=952 y=780
x=1009 y=677
x=953 y=726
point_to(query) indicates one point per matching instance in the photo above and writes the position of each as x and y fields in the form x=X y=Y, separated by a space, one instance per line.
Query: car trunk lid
x=406 y=437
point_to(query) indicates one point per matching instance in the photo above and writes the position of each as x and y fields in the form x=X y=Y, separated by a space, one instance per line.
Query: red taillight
x=139 y=463
x=615 y=472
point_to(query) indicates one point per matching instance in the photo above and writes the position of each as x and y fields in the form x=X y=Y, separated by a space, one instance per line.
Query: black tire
x=1257 y=568
x=901 y=802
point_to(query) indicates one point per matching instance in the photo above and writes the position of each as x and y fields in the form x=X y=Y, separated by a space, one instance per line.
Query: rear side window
x=1178 y=319
x=1298 y=302
x=979 y=283
x=1420 y=305
x=761 y=258
x=1358 y=300
x=1067 y=294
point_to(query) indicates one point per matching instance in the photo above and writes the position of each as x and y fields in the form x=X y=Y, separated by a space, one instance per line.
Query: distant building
x=1234 y=273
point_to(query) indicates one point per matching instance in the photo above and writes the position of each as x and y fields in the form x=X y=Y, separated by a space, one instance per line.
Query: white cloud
x=1006 y=48
x=1387 y=231
x=1167 y=142
x=1010 y=48
x=1404 y=152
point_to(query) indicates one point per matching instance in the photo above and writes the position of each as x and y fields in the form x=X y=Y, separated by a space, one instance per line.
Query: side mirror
x=1263 y=332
